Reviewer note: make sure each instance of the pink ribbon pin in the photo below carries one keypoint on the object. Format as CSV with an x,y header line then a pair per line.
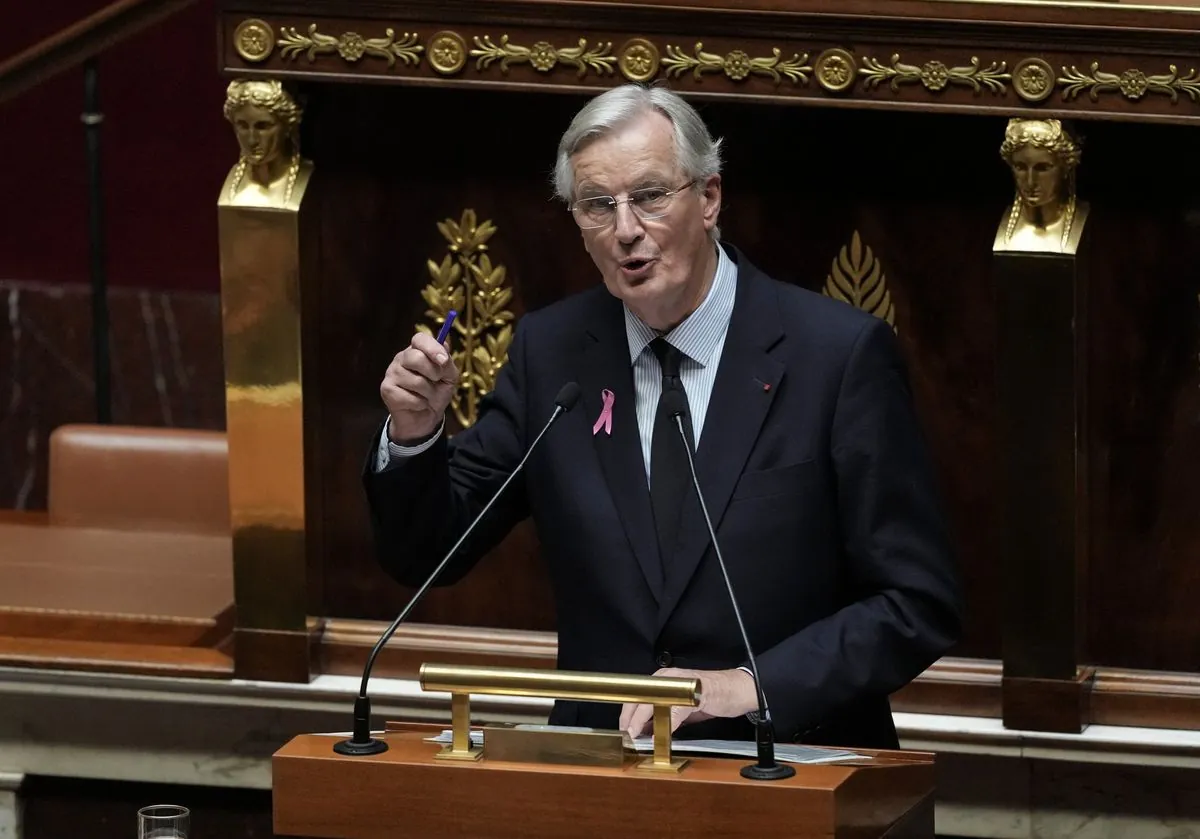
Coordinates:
x,y
605,419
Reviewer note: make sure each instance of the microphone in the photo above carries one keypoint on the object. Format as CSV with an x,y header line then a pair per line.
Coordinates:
x,y
362,743
767,769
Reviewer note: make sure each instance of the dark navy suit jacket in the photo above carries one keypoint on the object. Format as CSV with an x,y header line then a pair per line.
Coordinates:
x,y
816,477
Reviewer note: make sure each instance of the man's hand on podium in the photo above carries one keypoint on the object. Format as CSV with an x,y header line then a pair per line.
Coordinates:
x,y
723,693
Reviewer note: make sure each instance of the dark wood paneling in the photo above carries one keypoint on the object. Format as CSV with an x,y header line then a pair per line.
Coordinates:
x,y
960,687
1048,704
274,655
1145,410
1145,698
1041,428
345,645
440,155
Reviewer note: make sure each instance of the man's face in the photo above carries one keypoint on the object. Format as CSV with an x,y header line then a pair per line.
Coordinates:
x,y
1038,174
661,267
259,134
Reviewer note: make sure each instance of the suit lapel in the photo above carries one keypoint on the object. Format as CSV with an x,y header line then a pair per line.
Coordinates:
x,y
605,365
747,380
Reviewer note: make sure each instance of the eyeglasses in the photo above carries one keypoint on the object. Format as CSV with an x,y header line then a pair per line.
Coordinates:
x,y
647,204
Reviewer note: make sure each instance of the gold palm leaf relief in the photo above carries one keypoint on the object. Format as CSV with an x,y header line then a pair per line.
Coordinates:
x,y
856,277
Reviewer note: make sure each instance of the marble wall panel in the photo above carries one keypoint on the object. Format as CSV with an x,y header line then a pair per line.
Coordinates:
x,y
166,359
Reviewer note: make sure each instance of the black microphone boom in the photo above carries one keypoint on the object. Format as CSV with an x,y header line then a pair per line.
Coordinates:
x,y
361,742
767,768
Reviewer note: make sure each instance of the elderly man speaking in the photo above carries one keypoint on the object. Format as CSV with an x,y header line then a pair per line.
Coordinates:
x,y
807,450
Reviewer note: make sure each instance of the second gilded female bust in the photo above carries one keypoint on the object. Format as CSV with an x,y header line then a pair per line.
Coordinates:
x,y
269,171
1045,215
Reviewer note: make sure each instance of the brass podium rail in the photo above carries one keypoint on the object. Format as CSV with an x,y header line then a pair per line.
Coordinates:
x,y
662,692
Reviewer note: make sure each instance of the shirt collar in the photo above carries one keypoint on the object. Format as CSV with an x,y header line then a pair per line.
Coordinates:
x,y
701,332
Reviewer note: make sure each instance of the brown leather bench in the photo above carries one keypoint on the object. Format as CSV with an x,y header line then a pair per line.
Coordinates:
x,y
134,478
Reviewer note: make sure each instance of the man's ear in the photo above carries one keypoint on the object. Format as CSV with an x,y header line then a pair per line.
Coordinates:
x,y
712,201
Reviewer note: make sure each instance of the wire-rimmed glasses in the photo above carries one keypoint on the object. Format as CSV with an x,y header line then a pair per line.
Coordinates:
x,y
647,204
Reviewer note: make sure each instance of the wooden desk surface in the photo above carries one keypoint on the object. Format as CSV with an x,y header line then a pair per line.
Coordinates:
x,y
74,584
114,572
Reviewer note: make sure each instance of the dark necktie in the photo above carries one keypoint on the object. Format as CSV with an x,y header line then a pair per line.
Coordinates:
x,y
670,477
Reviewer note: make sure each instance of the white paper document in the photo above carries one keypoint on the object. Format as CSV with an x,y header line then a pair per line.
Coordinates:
x,y
785,752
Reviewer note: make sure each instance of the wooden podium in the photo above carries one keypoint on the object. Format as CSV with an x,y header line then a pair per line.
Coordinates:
x,y
406,792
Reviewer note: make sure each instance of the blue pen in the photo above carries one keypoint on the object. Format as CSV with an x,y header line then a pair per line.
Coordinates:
x,y
446,326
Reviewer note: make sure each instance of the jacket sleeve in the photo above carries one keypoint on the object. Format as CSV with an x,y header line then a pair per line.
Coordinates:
x,y
420,507
903,610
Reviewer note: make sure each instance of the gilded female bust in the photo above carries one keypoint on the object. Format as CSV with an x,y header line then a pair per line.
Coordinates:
x,y
270,171
1045,215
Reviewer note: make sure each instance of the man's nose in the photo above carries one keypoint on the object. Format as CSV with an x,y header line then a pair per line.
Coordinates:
x,y
628,225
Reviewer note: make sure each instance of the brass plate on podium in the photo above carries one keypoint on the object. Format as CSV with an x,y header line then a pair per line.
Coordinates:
x,y
556,745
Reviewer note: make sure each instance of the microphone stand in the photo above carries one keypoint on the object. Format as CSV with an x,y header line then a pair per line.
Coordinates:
x,y
767,768
361,743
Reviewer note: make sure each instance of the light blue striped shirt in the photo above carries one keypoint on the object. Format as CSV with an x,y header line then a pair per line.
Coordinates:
x,y
700,337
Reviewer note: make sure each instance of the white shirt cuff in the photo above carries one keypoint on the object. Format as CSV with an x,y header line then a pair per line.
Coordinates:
x,y
389,451
753,715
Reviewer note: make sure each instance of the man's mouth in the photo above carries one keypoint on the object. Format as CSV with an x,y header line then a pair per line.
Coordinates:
x,y
634,266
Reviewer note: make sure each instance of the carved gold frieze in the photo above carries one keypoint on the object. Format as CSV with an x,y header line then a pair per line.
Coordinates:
x,y
1033,79
467,282
350,45
638,60
447,52
254,40
856,277
835,70
1133,84
935,75
737,64
544,56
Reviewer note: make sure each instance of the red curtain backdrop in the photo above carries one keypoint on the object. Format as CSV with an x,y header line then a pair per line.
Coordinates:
x,y
165,151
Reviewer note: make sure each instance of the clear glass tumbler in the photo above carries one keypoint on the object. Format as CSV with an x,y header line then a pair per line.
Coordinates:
x,y
163,821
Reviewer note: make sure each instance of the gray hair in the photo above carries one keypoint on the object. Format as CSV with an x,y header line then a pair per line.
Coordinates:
x,y
697,153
